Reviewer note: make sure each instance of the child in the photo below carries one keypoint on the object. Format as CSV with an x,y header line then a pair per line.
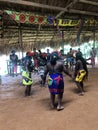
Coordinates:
x,y
26,74
27,81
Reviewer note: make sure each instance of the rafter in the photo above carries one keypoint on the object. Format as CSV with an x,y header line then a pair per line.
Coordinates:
x,y
89,2
66,8
33,4
83,12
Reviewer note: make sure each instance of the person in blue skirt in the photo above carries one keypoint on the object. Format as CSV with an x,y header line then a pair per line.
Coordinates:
x,y
55,80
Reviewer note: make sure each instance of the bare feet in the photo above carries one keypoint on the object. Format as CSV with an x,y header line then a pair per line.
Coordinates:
x,y
81,94
59,108
52,106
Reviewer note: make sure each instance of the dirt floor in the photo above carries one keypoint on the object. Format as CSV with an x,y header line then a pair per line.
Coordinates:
x,y
34,113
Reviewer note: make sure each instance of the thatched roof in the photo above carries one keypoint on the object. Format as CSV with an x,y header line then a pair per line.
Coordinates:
x,y
74,22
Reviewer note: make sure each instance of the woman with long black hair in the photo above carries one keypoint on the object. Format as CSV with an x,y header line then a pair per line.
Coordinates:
x,y
55,80
81,72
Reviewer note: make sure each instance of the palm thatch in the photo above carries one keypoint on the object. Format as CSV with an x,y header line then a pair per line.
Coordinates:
x,y
26,36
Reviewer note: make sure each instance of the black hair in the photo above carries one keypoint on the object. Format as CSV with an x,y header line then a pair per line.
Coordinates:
x,y
53,58
13,51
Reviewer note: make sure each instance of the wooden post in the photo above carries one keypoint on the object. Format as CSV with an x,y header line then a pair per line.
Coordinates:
x,y
20,39
94,34
94,39
62,44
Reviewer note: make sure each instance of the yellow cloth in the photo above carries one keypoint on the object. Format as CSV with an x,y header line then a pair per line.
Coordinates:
x,y
80,76
50,81
26,79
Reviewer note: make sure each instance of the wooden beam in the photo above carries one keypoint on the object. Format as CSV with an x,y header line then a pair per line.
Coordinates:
x,y
89,2
83,12
66,8
33,4
37,37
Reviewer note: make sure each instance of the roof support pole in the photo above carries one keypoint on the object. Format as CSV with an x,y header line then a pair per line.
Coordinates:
x,y
62,43
20,39
94,39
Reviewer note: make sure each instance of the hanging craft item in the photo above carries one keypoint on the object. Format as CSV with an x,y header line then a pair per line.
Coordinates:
x,y
80,30
58,28
27,17
50,20
22,18
40,19
31,19
67,22
12,16
91,22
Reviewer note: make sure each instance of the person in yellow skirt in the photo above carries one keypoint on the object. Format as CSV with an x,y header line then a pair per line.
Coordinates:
x,y
27,82
26,74
80,73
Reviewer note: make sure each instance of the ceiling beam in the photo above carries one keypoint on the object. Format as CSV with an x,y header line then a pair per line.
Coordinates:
x,y
83,12
89,2
33,4
66,8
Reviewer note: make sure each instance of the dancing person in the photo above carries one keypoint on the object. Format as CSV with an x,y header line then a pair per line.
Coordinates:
x,y
79,52
80,73
55,80
42,61
48,55
35,58
27,72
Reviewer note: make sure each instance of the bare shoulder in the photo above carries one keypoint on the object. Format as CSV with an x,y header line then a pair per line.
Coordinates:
x,y
48,64
59,62
79,61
